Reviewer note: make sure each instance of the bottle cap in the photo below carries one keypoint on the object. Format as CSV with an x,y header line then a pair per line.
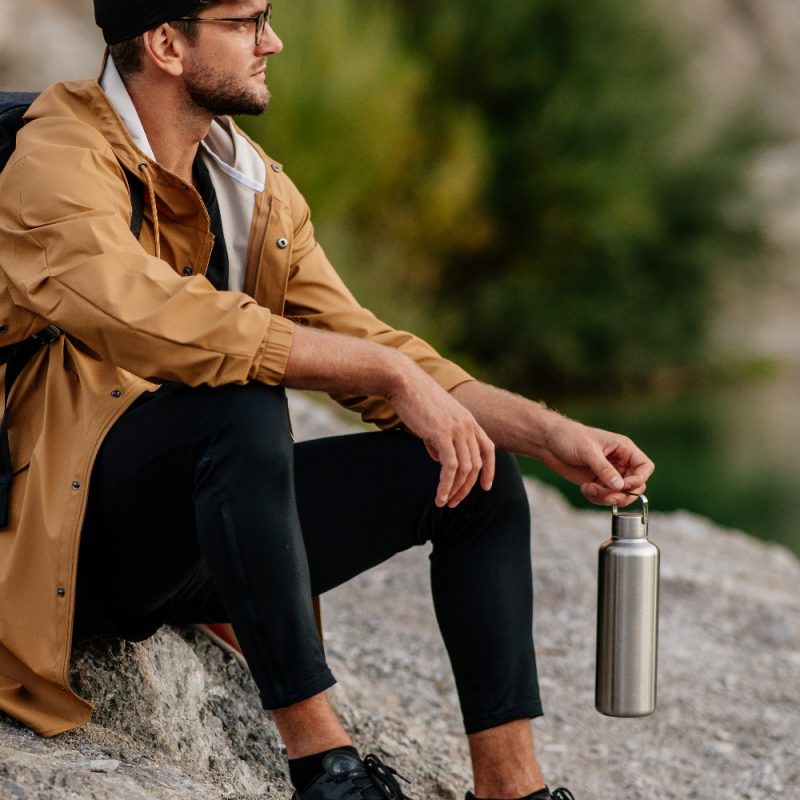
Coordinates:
x,y
630,524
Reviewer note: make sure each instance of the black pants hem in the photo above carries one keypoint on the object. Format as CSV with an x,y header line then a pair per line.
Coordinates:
x,y
319,683
529,711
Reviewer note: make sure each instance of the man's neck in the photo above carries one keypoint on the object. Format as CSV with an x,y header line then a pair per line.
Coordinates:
x,y
173,126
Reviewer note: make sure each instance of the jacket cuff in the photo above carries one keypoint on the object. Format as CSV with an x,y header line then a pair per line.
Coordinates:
x,y
449,375
275,351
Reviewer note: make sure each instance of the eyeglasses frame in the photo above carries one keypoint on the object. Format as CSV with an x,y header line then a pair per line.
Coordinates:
x,y
261,20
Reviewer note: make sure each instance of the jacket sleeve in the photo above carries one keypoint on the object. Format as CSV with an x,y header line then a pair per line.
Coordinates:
x,y
317,296
69,256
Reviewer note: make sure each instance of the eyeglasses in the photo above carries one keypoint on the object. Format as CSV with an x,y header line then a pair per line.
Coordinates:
x,y
260,21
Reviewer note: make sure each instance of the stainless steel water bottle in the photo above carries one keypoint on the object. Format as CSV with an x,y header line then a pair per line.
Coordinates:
x,y
627,618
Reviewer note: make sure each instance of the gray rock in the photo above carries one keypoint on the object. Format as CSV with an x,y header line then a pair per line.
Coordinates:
x,y
104,765
179,718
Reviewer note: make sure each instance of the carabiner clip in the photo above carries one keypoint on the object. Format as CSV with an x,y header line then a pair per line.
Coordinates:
x,y
645,507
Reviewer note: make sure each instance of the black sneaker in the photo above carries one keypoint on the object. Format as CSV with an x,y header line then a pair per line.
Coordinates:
x,y
557,794
347,777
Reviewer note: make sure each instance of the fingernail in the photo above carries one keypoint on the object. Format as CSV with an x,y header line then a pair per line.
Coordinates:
x,y
617,483
591,490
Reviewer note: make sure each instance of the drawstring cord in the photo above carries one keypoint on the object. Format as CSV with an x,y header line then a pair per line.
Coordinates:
x,y
151,192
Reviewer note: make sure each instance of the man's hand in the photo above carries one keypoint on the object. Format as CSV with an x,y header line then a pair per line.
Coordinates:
x,y
608,467
451,435
605,465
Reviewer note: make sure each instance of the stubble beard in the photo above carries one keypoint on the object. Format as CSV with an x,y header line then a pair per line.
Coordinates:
x,y
220,94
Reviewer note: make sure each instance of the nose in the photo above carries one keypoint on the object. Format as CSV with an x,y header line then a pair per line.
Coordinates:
x,y
271,43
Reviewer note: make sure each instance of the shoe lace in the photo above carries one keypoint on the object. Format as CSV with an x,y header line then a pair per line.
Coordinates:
x,y
562,794
376,781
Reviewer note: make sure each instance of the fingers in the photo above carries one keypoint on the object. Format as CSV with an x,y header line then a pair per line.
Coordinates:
x,y
605,471
488,458
619,466
468,470
465,457
600,495
448,458
620,473
636,465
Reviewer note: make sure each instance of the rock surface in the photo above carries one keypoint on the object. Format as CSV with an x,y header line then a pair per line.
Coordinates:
x,y
178,718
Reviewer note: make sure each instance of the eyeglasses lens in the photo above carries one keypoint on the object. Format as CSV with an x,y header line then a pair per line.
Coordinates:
x,y
262,22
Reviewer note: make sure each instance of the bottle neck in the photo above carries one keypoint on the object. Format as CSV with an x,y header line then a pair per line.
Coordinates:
x,y
628,526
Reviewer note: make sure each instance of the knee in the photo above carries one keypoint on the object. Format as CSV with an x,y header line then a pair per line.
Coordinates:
x,y
505,507
499,517
251,423
508,489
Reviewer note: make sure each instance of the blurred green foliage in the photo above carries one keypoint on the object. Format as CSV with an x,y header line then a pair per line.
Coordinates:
x,y
526,183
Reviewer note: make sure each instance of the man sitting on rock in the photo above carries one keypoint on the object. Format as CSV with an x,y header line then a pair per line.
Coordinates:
x,y
155,479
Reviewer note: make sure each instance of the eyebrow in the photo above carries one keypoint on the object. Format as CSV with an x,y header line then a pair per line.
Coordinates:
x,y
250,9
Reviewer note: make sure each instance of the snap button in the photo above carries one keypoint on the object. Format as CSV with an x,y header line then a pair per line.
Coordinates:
x,y
187,270
282,243
275,167
3,328
76,484
116,393
61,591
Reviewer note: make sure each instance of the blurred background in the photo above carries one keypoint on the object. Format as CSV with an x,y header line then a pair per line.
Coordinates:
x,y
594,203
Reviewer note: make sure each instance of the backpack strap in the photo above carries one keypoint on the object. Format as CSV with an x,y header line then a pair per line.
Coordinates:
x,y
13,106
136,190
15,359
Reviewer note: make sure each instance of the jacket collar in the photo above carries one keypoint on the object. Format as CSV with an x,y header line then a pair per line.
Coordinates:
x,y
111,83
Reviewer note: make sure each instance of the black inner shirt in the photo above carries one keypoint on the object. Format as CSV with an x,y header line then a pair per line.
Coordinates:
x,y
217,271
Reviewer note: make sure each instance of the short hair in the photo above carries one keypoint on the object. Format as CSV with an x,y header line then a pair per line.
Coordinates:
x,y
128,55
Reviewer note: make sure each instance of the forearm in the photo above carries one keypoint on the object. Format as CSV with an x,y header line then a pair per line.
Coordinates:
x,y
331,362
606,465
512,422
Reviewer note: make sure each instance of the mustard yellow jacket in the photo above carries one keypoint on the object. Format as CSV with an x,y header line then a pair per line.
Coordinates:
x,y
134,314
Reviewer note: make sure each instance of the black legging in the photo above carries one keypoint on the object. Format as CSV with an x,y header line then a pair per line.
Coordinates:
x,y
202,509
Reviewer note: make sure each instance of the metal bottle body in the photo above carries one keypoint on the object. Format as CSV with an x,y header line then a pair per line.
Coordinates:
x,y
627,619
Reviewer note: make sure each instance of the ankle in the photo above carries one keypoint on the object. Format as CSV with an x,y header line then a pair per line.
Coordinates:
x,y
509,789
304,770
504,763
309,727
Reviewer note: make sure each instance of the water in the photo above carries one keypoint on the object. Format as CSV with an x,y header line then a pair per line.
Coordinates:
x,y
731,453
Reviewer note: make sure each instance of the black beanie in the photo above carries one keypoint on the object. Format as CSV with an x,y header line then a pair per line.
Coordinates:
x,y
124,19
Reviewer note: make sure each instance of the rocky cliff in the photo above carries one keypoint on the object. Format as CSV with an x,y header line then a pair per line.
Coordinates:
x,y
178,718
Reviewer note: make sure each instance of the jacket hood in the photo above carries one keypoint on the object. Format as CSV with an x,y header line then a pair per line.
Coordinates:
x,y
86,103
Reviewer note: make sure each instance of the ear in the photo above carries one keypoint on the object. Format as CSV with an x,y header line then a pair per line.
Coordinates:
x,y
166,49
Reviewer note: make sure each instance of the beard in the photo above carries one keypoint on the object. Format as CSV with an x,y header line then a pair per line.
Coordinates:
x,y
220,94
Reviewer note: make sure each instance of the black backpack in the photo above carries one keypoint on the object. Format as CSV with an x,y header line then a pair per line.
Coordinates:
x,y
13,106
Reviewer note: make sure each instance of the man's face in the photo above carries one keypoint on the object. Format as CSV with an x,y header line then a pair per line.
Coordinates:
x,y
225,71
